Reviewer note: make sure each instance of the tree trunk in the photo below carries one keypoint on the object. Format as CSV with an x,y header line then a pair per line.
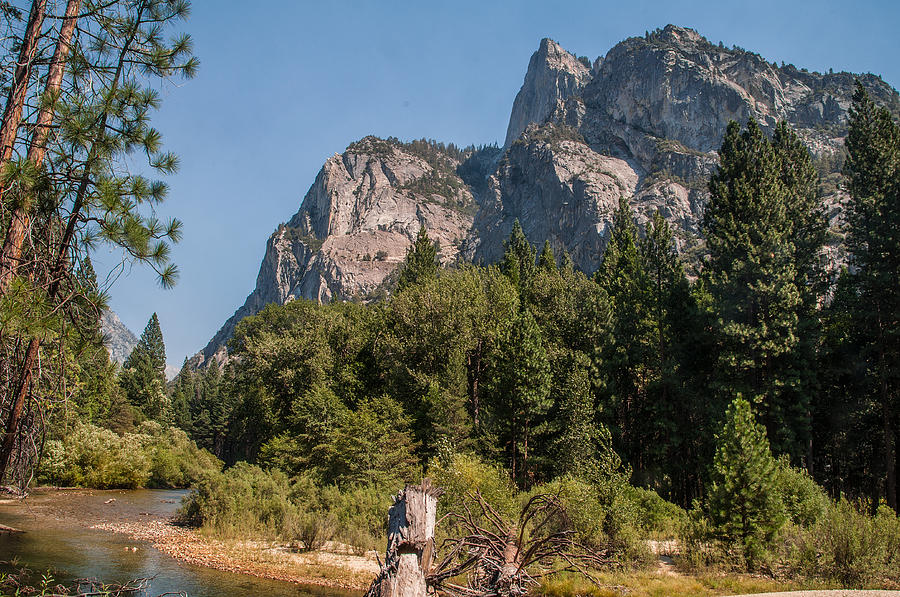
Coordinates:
x,y
12,422
12,115
890,456
21,216
410,548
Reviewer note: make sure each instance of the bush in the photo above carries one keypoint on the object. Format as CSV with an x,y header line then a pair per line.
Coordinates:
x,y
91,456
658,518
246,501
243,501
804,500
848,546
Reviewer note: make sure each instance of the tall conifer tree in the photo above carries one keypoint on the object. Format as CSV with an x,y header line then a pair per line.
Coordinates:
x,y
873,181
755,233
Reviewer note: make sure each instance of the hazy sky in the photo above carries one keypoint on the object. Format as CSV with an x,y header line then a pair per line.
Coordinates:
x,y
285,84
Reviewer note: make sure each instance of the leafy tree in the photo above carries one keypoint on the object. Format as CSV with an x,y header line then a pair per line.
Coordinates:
x,y
421,261
439,334
744,503
373,445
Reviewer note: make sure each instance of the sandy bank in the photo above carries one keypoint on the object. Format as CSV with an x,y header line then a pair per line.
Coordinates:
x,y
257,558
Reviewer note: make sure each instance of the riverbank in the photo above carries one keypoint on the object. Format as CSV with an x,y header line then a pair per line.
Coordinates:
x,y
331,567
151,526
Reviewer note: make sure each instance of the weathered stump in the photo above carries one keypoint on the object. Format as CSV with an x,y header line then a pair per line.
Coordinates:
x,y
410,546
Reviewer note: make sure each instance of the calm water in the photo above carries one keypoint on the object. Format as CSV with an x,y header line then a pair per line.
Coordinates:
x,y
70,550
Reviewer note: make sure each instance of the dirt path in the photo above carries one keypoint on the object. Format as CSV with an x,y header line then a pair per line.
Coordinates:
x,y
828,593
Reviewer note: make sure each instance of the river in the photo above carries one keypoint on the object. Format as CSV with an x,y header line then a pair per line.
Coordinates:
x,y
57,538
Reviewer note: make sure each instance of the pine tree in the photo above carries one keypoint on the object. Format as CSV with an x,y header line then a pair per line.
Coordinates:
x,y
744,503
546,260
98,90
151,347
421,261
143,376
627,360
182,395
873,181
575,429
519,391
754,278
518,261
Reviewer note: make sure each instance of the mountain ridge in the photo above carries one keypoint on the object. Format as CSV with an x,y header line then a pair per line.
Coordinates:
x,y
643,121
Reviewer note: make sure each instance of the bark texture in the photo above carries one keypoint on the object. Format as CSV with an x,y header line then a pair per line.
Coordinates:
x,y
410,548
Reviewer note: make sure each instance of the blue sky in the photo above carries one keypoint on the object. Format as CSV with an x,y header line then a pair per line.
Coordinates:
x,y
286,84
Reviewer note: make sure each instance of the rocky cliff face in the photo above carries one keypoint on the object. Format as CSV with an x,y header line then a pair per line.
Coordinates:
x,y
355,224
644,122
117,338
553,76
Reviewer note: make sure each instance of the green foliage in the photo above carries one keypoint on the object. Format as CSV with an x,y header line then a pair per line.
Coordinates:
x,y
764,228
804,501
657,518
373,445
143,374
461,474
90,456
744,504
872,169
243,501
848,546
518,261
518,391
440,335
421,261
247,501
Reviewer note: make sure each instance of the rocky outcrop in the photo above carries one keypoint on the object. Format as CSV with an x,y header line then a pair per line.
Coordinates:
x,y
553,76
646,125
117,338
355,224
644,122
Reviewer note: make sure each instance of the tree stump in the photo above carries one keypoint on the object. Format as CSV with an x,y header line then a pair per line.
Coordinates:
x,y
410,546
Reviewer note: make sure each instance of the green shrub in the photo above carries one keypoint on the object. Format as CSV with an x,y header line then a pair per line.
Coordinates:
x,y
804,500
246,500
658,518
848,546
90,456
584,510
462,474
313,529
242,501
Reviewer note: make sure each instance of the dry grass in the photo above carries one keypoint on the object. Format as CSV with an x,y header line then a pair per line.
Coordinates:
x,y
654,584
